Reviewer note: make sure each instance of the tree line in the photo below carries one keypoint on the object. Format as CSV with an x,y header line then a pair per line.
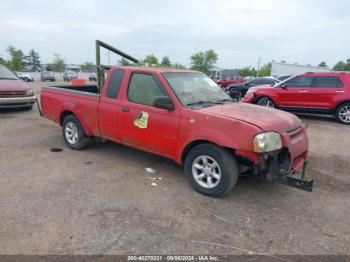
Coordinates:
x,y
203,61
18,60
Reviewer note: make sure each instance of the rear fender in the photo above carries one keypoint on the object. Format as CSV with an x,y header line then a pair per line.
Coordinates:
x,y
78,114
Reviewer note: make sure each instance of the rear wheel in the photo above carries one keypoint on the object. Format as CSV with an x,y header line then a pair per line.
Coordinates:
x,y
265,101
73,133
212,170
343,113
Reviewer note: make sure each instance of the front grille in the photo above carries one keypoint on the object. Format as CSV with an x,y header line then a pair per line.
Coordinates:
x,y
12,93
294,132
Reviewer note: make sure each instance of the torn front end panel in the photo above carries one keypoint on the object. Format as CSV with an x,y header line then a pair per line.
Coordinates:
x,y
278,167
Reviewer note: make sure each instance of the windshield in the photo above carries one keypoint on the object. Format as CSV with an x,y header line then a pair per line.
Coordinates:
x,y
278,84
195,88
7,74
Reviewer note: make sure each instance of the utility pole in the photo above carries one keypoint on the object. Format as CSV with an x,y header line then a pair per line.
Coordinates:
x,y
259,61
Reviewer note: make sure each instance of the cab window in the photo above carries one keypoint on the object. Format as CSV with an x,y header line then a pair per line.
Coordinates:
x,y
114,84
144,88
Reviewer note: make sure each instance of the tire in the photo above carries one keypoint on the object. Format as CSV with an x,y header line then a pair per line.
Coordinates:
x,y
76,138
343,113
234,93
226,170
266,102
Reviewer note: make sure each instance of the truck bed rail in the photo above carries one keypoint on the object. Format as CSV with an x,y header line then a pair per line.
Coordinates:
x,y
101,68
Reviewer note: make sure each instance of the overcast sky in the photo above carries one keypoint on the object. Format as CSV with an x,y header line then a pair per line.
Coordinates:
x,y
240,31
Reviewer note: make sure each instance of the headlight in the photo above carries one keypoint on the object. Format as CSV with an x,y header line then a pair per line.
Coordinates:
x,y
30,92
267,142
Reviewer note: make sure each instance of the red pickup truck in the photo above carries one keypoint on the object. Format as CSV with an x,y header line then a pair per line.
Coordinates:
x,y
185,116
182,115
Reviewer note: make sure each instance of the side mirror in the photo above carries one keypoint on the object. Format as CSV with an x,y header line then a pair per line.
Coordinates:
x,y
163,102
284,86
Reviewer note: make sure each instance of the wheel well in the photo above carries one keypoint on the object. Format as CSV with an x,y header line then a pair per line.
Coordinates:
x,y
263,96
193,144
64,114
338,105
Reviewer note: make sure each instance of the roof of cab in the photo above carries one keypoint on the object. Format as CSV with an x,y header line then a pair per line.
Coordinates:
x,y
154,69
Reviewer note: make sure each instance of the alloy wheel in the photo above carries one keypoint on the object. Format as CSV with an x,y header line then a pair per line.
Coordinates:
x,y
206,172
71,133
344,114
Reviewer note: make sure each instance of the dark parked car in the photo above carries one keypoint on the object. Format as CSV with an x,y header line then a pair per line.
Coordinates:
x,y
92,78
239,90
47,76
69,76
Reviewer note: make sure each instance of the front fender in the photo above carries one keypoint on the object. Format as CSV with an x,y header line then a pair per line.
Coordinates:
x,y
205,134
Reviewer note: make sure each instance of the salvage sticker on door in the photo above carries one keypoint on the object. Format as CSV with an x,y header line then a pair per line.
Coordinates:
x,y
141,120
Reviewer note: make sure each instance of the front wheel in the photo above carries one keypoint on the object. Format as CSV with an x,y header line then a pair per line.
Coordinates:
x,y
212,170
73,133
267,102
343,113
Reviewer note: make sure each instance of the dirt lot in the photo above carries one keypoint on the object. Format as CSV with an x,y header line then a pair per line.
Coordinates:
x,y
99,201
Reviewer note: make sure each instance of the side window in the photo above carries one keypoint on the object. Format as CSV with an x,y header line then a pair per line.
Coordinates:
x,y
114,83
327,81
299,81
143,88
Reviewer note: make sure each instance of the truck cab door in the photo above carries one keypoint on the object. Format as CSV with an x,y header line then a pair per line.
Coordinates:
x,y
293,93
109,107
141,124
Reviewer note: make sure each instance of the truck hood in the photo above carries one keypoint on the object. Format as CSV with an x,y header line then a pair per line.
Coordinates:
x,y
265,118
13,85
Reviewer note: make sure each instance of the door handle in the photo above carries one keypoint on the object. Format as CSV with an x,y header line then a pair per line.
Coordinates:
x,y
340,91
125,109
303,91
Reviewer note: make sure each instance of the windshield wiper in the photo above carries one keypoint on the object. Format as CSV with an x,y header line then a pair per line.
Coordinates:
x,y
221,101
201,103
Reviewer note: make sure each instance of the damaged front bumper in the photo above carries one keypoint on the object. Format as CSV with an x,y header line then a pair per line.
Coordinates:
x,y
301,180
279,168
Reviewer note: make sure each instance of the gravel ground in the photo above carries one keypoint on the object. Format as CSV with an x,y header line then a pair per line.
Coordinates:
x,y
100,201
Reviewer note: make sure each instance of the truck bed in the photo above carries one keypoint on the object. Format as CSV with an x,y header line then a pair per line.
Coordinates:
x,y
81,99
79,88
